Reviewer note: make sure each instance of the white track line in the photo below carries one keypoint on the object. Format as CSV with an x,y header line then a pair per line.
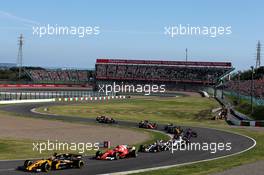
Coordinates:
x,y
10,169
42,113
187,163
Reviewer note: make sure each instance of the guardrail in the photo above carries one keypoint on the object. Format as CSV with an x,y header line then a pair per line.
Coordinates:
x,y
28,101
237,118
25,95
71,99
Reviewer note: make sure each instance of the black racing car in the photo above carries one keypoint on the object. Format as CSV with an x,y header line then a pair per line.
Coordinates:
x,y
105,119
172,129
189,133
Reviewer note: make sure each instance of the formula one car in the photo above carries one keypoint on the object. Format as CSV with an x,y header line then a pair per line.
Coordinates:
x,y
158,146
56,162
148,125
189,133
105,119
179,142
172,129
119,152
185,136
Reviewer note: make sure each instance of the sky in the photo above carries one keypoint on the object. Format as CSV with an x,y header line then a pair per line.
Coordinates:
x,y
130,30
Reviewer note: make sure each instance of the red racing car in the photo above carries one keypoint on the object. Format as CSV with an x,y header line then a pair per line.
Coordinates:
x,y
148,125
119,152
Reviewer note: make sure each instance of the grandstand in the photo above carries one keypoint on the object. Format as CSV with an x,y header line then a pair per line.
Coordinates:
x,y
57,76
244,87
241,82
171,73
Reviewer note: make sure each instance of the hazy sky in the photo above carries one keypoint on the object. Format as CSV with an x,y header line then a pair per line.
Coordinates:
x,y
130,29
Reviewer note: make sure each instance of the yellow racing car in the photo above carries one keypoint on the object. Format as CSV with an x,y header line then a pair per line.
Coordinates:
x,y
56,162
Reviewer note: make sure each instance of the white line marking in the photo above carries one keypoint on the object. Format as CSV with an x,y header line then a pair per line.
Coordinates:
x,y
10,169
42,113
188,163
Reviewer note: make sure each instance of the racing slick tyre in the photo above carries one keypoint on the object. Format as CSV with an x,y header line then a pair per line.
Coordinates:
x,y
116,156
79,164
27,163
46,167
158,149
133,153
53,165
194,134
141,148
97,154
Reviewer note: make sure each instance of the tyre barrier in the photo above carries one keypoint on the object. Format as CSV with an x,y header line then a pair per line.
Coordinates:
x,y
252,123
77,99
237,122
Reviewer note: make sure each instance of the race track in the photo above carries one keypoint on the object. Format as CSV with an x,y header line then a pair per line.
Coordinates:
x,y
144,160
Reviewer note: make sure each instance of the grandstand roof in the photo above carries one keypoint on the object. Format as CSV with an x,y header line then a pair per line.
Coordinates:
x,y
165,63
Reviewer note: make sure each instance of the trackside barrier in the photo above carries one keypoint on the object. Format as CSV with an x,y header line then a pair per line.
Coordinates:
x,y
40,85
27,101
252,123
77,99
239,115
234,120
239,119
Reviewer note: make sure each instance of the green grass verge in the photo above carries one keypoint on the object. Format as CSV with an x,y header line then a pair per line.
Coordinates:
x,y
162,110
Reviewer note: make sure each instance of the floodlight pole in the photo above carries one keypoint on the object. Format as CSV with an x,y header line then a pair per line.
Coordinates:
x,y
251,89
222,88
20,55
186,54
238,101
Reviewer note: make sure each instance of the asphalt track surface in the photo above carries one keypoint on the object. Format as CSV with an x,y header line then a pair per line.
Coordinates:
x,y
239,143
